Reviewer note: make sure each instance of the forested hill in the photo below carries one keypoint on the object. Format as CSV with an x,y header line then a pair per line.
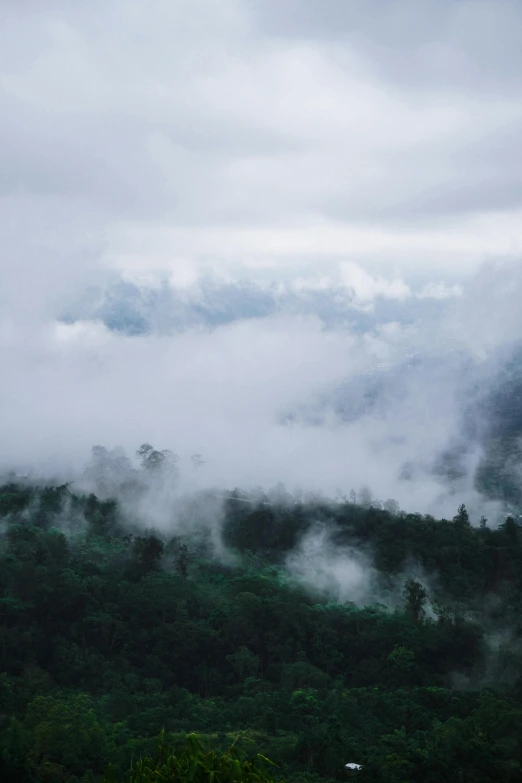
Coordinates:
x,y
110,634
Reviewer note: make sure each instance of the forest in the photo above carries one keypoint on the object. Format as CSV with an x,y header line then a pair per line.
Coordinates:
x,y
118,641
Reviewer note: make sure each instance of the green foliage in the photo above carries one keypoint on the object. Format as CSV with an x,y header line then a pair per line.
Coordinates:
x,y
65,733
415,598
192,762
108,638
401,658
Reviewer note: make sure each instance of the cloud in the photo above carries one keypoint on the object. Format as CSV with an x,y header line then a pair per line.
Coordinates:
x,y
252,396
366,288
470,43
265,135
189,141
338,571
488,317
439,290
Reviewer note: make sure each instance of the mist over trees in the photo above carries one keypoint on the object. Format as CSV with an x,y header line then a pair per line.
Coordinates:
x,y
313,632
265,255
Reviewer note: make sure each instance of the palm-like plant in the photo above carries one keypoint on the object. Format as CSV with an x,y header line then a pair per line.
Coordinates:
x,y
195,764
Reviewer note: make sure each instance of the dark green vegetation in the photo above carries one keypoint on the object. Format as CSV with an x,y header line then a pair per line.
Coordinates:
x,y
107,639
192,761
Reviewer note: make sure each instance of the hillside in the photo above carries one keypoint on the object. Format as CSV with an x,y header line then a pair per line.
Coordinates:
x,y
110,635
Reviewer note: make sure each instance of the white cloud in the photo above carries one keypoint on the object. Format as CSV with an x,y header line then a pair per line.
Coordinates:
x,y
177,137
261,398
439,290
367,288
231,140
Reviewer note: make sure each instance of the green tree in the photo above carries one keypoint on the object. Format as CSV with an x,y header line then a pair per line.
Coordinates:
x,y
193,763
462,516
147,551
415,599
66,733
154,461
401,658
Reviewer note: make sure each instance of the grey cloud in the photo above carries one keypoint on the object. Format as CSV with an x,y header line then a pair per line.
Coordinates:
x,y
172,112
165,136
359,301
469,43
271,399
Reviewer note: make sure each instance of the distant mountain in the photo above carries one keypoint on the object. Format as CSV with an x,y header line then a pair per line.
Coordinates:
x,y
133,310
487,394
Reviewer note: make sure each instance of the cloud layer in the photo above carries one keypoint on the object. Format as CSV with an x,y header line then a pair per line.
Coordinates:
x,y
179,135
289,196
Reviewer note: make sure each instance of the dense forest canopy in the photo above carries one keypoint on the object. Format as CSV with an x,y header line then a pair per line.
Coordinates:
x,y
276,243
112,633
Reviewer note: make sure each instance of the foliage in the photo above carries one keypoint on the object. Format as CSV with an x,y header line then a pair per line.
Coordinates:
x,y
108,638
192,762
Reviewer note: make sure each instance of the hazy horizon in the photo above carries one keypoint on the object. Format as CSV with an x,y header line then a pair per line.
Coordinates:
x,y
286,238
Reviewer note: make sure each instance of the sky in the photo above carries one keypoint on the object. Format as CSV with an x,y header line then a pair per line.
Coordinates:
x,y
261,134
366,153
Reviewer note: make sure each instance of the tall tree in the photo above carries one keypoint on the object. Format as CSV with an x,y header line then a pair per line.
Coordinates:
x,y
415,599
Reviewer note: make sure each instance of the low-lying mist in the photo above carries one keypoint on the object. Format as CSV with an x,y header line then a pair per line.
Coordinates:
x,y
413,410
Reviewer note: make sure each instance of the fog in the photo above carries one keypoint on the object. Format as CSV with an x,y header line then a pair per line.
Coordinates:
x,y
268,240
264,400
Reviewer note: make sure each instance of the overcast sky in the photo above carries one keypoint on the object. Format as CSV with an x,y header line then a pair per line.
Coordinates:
x,y
373,143
265,134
